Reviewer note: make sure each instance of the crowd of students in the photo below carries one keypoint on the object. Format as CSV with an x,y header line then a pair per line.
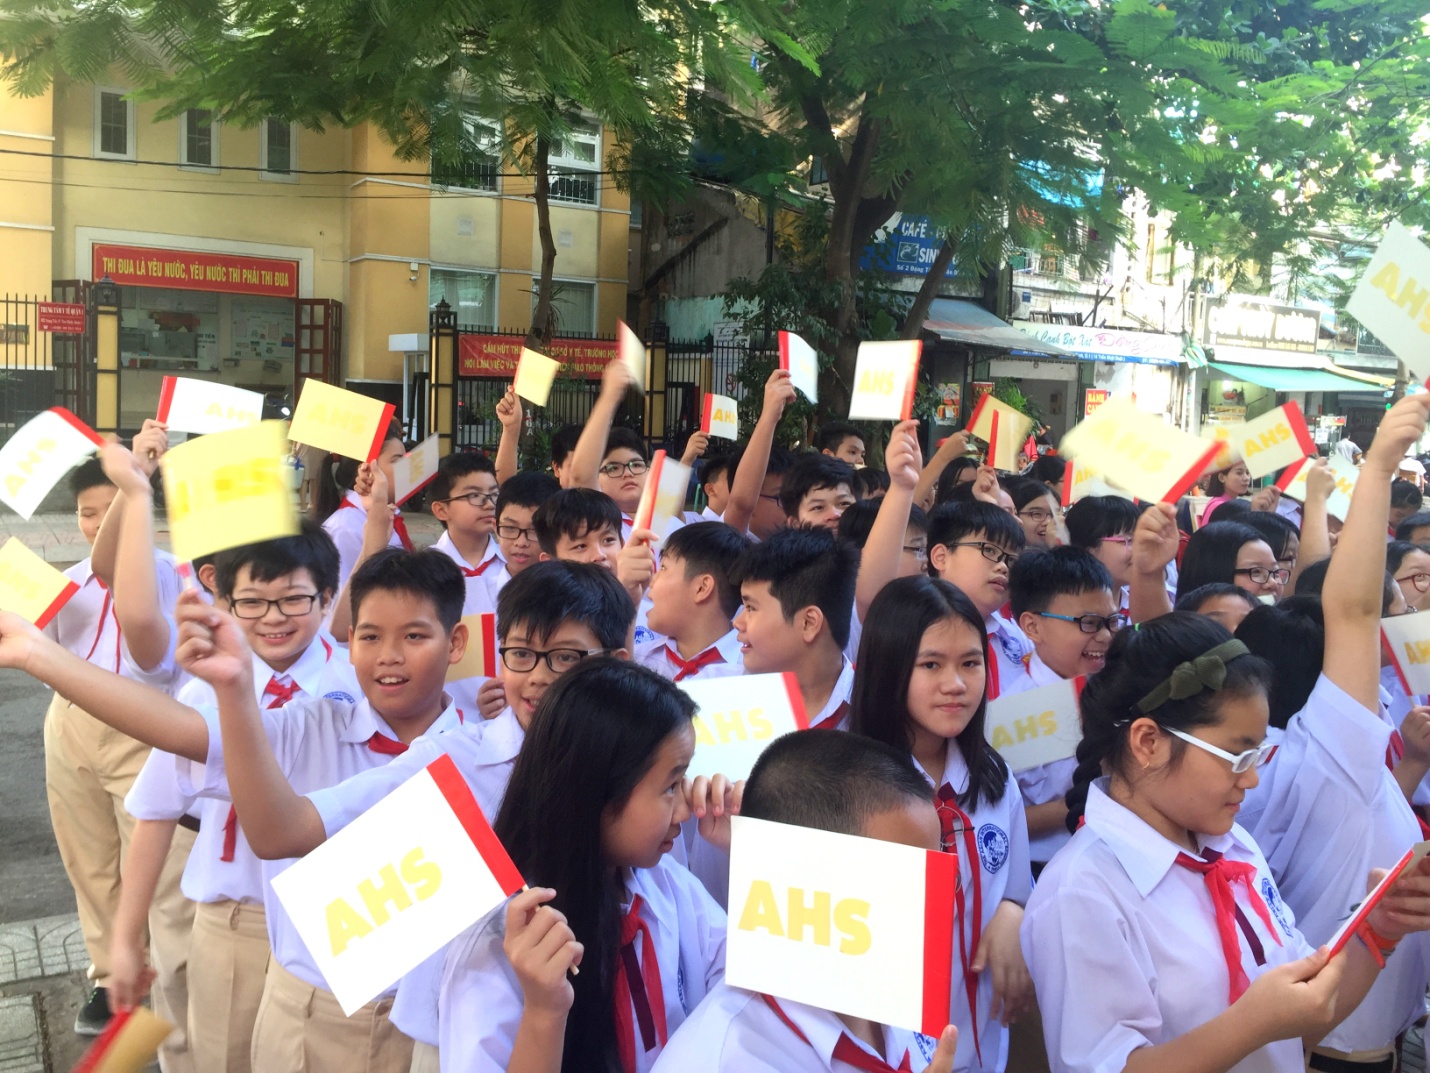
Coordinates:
x,y
1155,902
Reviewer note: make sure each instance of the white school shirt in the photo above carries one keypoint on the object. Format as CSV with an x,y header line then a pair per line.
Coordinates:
x,y
1123,947
1001,834
1045,782
838,699
480,600
1326,811
322,670
736,1031
709,515
1397,705
1007,645
657,656
496,580
344,525
481,1005
856,634
318,742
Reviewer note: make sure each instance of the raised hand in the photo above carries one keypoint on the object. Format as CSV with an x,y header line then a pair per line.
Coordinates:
x,y
211,646
509,410
542,950
903,458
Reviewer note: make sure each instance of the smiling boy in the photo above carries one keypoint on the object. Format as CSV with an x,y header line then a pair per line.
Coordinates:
x,y
463,497
817,491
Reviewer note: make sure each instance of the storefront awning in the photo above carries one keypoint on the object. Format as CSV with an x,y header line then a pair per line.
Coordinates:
x,y
1279,379
964,322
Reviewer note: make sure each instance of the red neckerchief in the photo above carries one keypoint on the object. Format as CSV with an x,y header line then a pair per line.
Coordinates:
x,y
281,693
381,743
638,986
1395,751
1219,874
398,525
481,569
846,1050
950,815
692,666
831,721
993,687
106,608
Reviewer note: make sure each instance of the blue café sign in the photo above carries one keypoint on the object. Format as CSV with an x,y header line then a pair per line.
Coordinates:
x,y
907,247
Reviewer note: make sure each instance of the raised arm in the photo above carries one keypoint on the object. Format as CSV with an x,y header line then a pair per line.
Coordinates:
x,y
1315,529
1154,545
136,584
510,416
376,533
879,564
583,467
750,473
1356,576
954,446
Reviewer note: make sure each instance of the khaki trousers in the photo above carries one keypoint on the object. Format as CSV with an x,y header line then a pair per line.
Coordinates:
x,y
302,1029
425,1059
230,961
89,767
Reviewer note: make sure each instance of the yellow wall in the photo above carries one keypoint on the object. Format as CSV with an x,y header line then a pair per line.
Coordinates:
x,y
26,126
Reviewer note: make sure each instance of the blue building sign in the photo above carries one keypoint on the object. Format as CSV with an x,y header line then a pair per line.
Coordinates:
x,y
906,247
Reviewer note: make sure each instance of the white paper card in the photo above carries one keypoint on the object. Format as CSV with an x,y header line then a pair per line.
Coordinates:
x,y
1036,726
633,353
202,406
739,715
1392,299
885,375
799,358
720,417
415,470
39,454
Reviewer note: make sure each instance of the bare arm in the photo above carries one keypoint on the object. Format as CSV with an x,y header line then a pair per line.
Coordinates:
x,y
106,542
136,583
750,473
879,564
582,467
376,533
510,416
1315,528
1154,545
130,975
953,447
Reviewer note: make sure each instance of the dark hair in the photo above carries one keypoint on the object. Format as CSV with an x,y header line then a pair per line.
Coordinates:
x,y
1405,494
453,468
888,650
717,467
337,474
1138,661
88,474
526,489
548,593
1233,510
830,436
781,459
593,738
1050,469
1216,483
1407,528
1211,554
563,442
1312,579
710,548
870,480
1395,553
628,438
953,522
856,523
831,782
1291,637
573,512
810,473
426,574
949,479
1038,576
312,550
1093,518
804,568
1024,491
1276,529
1195,600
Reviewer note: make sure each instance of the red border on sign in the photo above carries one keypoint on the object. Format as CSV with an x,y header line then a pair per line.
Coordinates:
x,y
489,644
940,886
1288,475
1068,482
707,413
1297,421
469,814
1192,475
166,397
55,605
88,433
913,382
381,435
796,700
645,511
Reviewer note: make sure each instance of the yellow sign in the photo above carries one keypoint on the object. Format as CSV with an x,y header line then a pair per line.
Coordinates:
x,y
992,418
885,376
1147,455
344,422
1393,298
129,1044
535,374
228,489
29,586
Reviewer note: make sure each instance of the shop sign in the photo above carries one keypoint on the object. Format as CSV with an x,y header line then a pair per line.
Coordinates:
x,y
1092,399
188,270
906,247
497,355
1263,325
66,318
1109,344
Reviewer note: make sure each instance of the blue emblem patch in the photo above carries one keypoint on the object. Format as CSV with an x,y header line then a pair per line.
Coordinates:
x,y
926,1045
992,847
340,695
1272,897
644,635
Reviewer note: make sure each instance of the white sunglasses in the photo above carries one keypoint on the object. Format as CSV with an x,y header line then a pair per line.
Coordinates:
x,y
1240,762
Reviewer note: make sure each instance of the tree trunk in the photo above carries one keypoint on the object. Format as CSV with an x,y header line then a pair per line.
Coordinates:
x,y
538,337
928,291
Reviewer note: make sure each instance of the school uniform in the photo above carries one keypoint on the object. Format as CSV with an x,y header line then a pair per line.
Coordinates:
x,y
856,634
1007,645
1395,706
991,840
479,601
1325,812
89,768
835,713
678,937
719,660
345,526
1045,782
496,579
708,515
738,1031
1123,945
223,877
300,1028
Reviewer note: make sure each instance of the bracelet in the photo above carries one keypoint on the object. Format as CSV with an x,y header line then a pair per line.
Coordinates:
x,y
1379,946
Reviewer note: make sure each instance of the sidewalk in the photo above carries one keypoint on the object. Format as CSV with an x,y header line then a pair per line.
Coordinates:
x,y
42,984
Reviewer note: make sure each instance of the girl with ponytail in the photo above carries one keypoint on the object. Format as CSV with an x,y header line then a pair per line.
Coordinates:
x,y
1157,939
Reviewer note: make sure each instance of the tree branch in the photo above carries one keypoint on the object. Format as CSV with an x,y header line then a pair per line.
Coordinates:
x,y
928,290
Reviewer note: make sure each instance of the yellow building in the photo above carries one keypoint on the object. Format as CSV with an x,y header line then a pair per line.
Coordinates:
x,y
249,255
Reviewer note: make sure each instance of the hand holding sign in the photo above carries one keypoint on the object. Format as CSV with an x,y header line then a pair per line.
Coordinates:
x,y
1406,865
800,360
664,493
202,406
720,417
1149,457
885,376
39,454
343,422
128,1043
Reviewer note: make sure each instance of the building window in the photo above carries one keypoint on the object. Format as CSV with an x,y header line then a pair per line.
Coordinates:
x,y
279,149
575,161
573,304
1161,258
479,164
198,139
113,125
472,295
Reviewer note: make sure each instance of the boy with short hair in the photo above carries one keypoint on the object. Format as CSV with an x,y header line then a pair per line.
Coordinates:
x,y
692,601
715,484
796,595
817,491
463,498
516,503
563,442
848,785
579,525
841,440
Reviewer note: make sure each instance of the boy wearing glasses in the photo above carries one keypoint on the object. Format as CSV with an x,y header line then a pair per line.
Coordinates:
x,y
520,497
463,497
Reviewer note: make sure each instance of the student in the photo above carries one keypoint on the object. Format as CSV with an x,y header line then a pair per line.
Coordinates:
x,y
563,442
1038,512
1281,535
508,459
1405,500
277,591
920,686
579,525
841,440
1146,951
796,596
1226,484
89,769
1221,601
848,785
610,459
692,603
1051,470
816,491
1103,525
463,498
1409,564
1230,551
1062,601
406,606
715,484
516,535
960,471
343,510
754,506
1414,529
623,470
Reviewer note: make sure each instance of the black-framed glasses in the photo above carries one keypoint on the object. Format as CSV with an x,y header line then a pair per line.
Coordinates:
x,y
992,552
775,498
1260,575
1091,623
1420,581
635,467
474,499
516,532
1038,515
294,606
559,660
918,551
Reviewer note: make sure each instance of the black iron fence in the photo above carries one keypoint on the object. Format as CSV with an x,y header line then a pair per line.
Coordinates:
x,y
42,368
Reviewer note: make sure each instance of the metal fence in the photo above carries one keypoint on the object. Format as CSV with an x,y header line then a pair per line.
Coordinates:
x,y
40,369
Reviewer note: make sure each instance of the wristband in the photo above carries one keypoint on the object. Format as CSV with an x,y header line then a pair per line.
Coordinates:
x,y
1379,946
